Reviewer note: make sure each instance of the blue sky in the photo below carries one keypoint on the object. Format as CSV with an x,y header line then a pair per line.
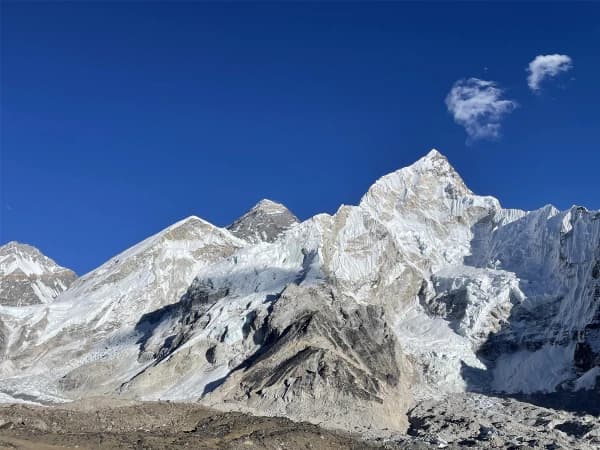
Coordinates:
x,y
121,118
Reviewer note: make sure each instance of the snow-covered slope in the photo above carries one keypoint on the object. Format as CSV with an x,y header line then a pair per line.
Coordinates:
x,y
551,336
94,321
28,277
422,289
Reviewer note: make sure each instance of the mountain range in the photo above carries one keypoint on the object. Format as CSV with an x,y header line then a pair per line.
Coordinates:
x,y
422,291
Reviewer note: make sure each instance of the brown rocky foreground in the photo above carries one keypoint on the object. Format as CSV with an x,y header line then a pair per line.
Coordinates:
x,y
104,424
461,421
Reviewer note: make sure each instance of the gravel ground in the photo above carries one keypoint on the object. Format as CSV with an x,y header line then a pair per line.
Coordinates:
x,y
458,421
98,424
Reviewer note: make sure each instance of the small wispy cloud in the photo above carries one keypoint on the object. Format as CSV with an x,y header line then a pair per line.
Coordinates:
x,y
546,66
478,106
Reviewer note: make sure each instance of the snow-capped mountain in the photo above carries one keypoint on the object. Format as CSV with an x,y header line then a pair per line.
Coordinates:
x,y
28,277
95,319
422,289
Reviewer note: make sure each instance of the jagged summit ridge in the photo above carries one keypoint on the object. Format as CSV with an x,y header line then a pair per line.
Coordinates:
x,y
264,222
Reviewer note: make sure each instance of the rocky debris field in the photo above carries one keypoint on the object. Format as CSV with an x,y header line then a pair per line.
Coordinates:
x,y
459,421
481,422
102,424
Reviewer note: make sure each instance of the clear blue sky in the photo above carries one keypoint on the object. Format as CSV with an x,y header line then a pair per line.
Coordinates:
x,y
121,118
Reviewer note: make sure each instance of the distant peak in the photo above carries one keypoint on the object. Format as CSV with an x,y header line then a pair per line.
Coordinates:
x,y
20,251
265,221
19,247
15,244
265,203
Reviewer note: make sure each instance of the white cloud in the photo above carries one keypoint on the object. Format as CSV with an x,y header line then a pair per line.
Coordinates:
x,y
478,106
546,66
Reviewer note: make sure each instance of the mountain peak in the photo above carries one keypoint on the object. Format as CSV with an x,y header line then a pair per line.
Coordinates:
x,y
269,205
28,277
434,154
433,160
16,256
14,246
264,222
430,177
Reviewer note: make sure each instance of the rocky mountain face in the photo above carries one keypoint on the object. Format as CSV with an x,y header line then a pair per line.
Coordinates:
x,y
265,222
27,277
421,292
